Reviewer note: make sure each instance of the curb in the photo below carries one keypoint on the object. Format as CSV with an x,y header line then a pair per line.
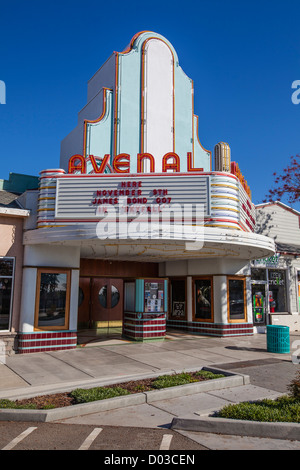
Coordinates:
x,y
231,380
237,427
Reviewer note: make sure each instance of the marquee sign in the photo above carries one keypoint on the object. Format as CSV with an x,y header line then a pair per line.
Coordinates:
x,y
91,197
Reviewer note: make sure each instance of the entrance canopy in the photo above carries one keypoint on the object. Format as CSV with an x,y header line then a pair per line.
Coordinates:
x,y
209,243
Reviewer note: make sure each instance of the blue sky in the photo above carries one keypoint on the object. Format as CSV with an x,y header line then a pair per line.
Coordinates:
x,y
242,55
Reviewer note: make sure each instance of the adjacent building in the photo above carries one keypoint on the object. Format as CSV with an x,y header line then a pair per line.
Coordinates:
x,y
275,280
13,217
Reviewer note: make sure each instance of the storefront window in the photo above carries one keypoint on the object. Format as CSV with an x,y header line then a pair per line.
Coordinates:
x,y
178,299
277,290
236,299
203,299
258,274
53,299
6,283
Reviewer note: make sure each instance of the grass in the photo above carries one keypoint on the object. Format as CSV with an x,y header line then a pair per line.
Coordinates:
x,y
81,395
5,403
184,378
283,409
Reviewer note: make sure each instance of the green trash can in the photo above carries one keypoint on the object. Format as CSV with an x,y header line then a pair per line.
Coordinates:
x,y
278,339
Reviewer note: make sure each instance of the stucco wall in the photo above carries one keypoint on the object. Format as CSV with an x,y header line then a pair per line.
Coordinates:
x,y
11,230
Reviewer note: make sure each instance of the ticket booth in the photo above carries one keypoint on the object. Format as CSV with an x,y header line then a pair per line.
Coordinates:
x,y
145,308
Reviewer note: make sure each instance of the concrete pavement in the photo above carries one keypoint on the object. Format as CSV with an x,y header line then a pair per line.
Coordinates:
x,y
99,363
111,361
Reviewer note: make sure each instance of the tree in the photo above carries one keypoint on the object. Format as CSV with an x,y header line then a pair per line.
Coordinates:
x,y
287,184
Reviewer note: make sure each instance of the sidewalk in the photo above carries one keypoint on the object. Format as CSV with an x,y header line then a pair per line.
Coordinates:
x,y
111,361
114,361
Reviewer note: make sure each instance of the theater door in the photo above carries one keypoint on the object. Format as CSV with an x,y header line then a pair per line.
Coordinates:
x,y
101,305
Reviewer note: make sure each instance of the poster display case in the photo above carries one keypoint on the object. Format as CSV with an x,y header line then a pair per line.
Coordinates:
x,y
154,296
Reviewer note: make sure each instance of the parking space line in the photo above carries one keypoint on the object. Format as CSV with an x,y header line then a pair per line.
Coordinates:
x,y
90,439
19,438
166,442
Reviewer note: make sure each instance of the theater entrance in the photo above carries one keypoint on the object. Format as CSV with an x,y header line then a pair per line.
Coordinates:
x,y
100,308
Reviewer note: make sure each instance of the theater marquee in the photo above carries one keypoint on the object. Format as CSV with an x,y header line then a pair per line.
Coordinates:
x,y
90,197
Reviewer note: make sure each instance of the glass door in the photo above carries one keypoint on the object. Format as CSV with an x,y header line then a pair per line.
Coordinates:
x,y
259,304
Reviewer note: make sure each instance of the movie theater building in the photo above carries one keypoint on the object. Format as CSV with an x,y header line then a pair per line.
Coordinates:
x,y
136,229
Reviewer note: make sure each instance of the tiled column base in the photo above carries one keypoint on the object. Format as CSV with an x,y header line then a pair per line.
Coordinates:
x,y
46,341
144,326
212,329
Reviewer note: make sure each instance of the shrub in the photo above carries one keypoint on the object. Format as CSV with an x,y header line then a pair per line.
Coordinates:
x,y
284,409
81,395
206,374
294,386
165,381
4,403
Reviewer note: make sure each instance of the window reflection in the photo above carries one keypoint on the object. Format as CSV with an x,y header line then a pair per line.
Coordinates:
x,y
5,301
114,296
203,299
6,283
52,302
236,299
103,296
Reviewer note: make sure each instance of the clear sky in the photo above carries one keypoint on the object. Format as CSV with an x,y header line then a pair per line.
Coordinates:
x,y
242,55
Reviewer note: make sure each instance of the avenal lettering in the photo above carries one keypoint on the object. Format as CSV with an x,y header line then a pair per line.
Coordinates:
x,y
121,163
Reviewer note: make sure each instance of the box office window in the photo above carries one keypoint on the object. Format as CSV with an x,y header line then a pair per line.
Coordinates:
x,y
6,287
203,299
236,299
52,300
129,296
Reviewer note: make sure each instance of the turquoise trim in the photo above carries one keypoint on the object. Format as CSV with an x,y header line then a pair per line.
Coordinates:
x,y
129,107
139,295
166,295
99,134
45,331
49,346
62,338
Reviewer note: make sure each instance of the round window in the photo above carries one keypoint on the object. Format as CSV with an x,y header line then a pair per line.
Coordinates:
x,y
114,299
115,296
103,296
